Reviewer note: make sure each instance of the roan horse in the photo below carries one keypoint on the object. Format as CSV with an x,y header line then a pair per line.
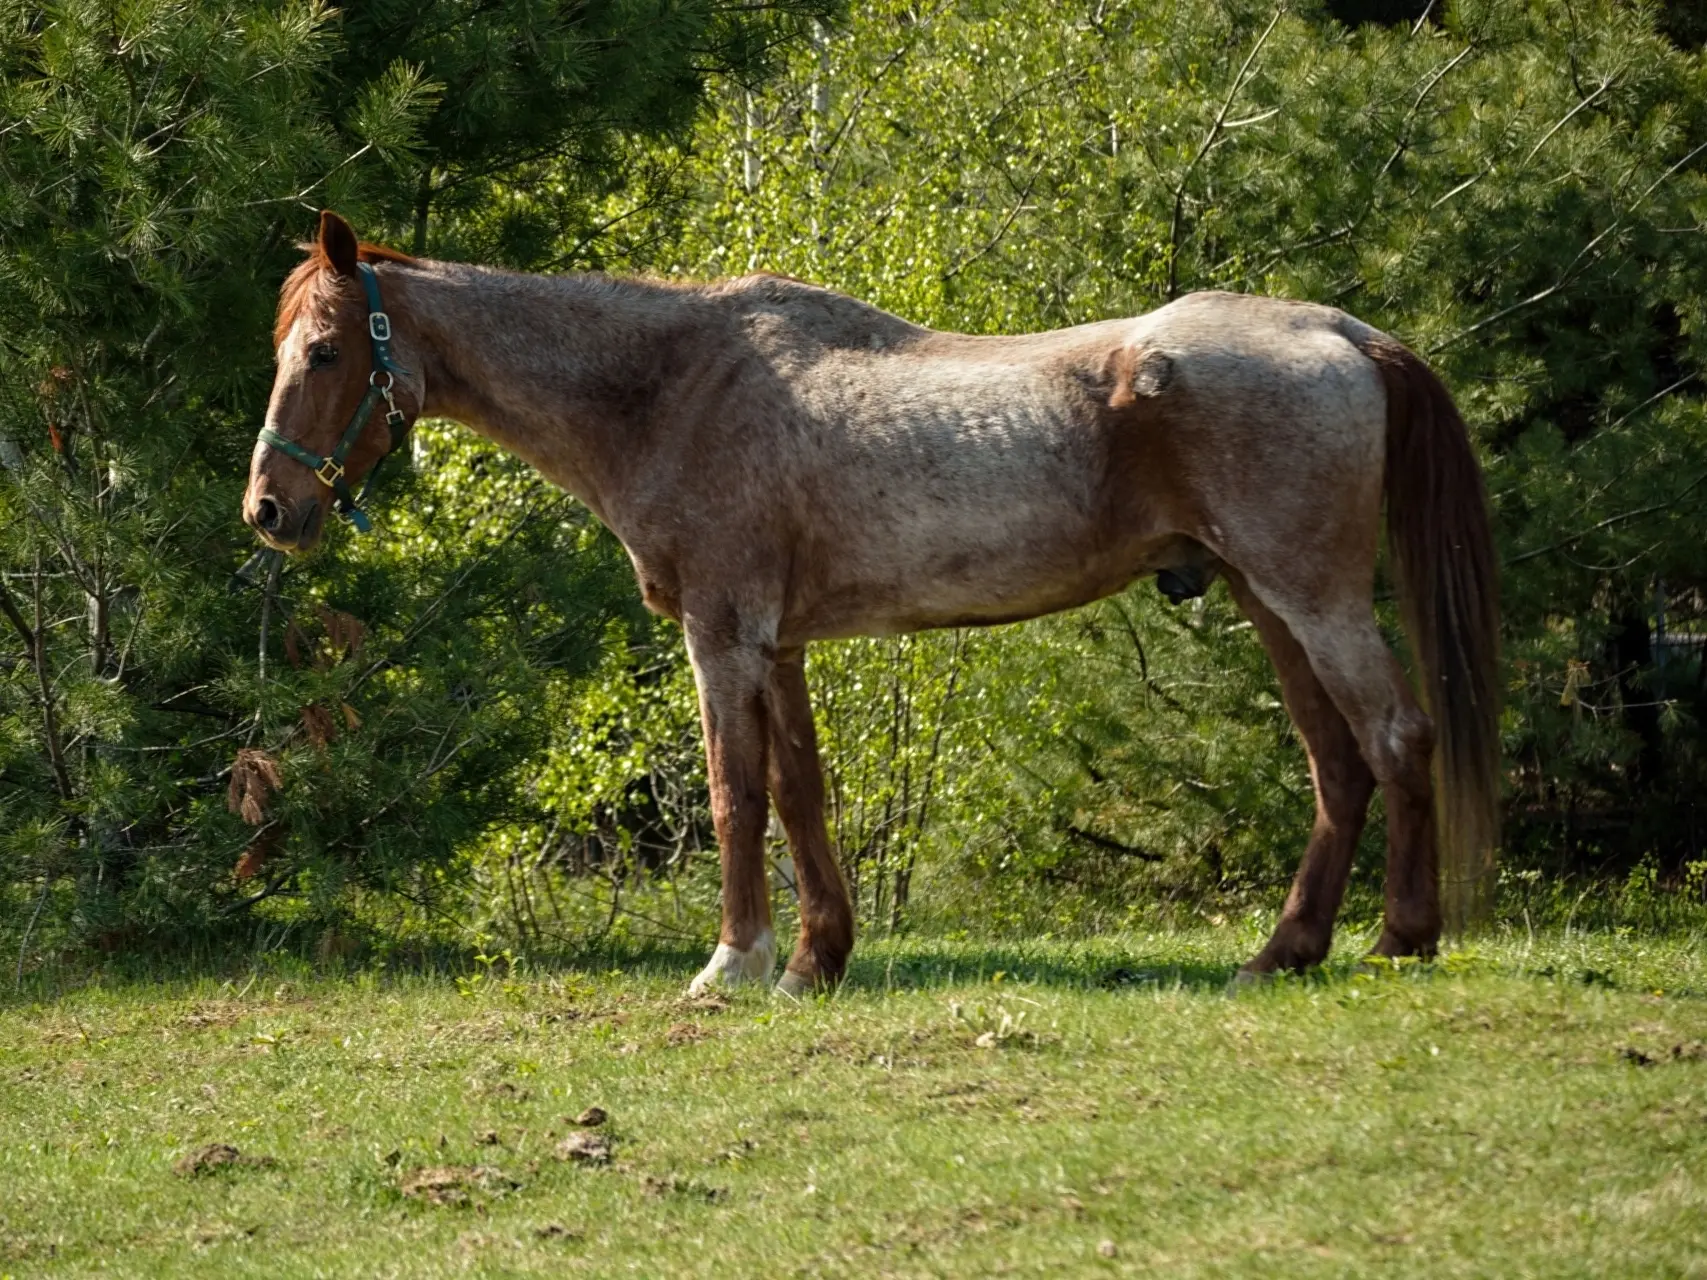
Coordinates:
x,y
785,464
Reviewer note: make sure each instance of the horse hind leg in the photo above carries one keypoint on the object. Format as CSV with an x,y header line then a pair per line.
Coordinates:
x,y
797,790
1396,740
1343,784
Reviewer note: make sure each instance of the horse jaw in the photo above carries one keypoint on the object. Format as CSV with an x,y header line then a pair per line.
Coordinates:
x,y
730,966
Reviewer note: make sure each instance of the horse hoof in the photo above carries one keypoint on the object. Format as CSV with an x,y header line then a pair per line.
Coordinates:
x,y
1249,980
1390,947
730,966
796,986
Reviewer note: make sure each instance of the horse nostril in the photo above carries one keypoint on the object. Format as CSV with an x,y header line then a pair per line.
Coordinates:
x,y
267,514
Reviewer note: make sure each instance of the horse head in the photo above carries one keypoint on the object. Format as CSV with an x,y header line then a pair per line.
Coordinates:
x,y
339,366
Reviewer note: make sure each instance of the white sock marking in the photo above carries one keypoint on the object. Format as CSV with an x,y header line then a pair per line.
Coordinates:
x,y
730,967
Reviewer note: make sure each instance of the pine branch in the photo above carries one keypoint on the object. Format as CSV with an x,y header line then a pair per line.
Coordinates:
x,y
1623,517
34,638
1402,145
1568,276
1216,128
1111,845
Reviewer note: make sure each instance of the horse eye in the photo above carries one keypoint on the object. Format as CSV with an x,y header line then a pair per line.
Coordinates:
x,y
321,354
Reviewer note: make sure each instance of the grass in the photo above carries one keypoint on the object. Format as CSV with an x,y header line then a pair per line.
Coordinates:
x,y
1535,1108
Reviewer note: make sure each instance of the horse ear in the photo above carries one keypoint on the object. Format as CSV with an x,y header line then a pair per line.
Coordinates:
x,y
338,243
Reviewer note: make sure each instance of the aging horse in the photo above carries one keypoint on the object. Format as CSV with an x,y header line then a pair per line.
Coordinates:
x,y
785,464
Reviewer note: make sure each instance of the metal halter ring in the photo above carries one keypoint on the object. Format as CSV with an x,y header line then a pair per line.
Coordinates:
x,y
384,387
330,471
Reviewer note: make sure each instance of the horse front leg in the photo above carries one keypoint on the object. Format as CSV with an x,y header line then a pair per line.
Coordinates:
x,y
732,666
797,789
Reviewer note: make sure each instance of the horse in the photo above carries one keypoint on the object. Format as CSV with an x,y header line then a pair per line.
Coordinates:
x,y
786,464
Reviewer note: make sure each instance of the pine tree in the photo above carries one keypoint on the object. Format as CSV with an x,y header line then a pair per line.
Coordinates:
x,y
1515,191
178,748
537,101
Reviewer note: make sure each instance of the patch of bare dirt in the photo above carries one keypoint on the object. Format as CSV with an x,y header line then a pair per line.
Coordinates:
x,y
681,1033
672,1185
452,1184
215,1156
707,1003
1693,1051
585,1148
591,1118
216,1013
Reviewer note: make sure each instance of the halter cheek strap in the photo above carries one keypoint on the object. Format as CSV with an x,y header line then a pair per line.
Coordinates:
x,y
330,467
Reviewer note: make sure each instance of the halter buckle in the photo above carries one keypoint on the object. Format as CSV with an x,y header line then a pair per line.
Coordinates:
x,y
330,471
379,326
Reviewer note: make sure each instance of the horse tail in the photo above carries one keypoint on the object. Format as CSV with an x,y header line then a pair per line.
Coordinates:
x,y
1447,575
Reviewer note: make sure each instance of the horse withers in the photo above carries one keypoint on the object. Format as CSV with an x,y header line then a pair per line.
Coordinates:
x,y
786,464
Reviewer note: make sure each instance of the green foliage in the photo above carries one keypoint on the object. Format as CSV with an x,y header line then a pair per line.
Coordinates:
x,y
534,105
1516,191
149,154
178,747
904,760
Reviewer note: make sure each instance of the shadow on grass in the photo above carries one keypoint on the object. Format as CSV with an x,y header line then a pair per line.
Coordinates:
x,y
924,964
1203,961
199,963
886,964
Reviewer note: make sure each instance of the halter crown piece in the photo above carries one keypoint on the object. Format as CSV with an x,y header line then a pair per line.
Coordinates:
x,y
330,468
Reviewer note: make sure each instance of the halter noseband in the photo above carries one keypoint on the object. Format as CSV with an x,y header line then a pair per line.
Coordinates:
x,y
330,467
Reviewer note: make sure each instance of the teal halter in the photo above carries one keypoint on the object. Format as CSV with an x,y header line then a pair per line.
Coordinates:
x,y
330,468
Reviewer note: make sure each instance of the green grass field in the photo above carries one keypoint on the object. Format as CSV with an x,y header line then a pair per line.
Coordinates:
x,y
1535,1107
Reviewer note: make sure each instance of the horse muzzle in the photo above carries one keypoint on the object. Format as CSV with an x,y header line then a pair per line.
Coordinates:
x,y
283,524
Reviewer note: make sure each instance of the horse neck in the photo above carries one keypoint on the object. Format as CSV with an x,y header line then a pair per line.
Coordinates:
x,y
562,371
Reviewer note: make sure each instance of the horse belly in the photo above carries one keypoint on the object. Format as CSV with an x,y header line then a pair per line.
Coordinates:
x,y
993,532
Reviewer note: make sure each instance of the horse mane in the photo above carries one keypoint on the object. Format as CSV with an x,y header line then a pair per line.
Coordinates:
x,y
306,290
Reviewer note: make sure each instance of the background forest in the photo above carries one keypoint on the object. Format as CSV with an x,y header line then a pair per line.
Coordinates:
x,y
464,724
